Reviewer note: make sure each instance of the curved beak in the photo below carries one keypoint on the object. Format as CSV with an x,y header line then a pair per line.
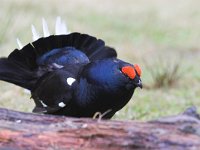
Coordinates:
x,y
139,84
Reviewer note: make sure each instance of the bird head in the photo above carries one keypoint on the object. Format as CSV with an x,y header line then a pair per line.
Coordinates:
x,y
133,73
114,74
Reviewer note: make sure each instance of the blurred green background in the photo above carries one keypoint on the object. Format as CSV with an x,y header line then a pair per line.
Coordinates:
x,y
162,36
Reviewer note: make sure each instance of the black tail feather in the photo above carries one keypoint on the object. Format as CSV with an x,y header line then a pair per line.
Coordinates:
x,y
21,66
92,47
14,73
25,57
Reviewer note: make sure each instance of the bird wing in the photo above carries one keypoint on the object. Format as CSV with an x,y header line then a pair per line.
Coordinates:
x,y
54,91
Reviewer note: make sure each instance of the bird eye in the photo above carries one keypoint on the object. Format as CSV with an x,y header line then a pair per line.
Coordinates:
x,y
138,69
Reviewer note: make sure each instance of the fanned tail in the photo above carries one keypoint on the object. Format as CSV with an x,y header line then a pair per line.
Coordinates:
x,y
21,67
15,73
94,48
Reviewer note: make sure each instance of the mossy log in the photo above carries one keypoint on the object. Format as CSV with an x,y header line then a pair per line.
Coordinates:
x,y
20,130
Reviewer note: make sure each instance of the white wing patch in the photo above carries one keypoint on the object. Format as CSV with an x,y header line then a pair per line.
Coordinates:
x,y
70,81
61,104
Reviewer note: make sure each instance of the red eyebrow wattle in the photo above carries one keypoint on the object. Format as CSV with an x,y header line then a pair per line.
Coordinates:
x,y
129,71
138,69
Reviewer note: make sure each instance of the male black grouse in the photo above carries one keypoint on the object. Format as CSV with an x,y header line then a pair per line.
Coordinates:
x,y
71,74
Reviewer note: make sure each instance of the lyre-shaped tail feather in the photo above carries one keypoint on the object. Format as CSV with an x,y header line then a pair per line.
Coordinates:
x,y
19,44
35,35
45,28
60,29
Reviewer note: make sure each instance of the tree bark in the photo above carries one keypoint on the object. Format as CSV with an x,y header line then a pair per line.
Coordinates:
x,y
32,131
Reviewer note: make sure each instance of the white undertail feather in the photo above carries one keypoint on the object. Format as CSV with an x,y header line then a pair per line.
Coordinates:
x,y
19,44
60,28
35,33
64,28
45,28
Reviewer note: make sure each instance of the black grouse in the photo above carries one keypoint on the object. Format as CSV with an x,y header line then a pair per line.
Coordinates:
x,y
71,74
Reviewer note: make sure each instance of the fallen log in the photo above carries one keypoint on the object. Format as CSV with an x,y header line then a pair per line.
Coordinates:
x,y
20,130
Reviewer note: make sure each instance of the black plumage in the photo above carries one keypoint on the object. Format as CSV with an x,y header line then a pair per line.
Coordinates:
x,y
73,75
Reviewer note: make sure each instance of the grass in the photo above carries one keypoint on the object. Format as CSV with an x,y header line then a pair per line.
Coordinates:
x,y
141,31
164,73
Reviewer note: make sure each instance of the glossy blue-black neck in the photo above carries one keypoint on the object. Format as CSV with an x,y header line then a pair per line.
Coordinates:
x,y
106,73
103,82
